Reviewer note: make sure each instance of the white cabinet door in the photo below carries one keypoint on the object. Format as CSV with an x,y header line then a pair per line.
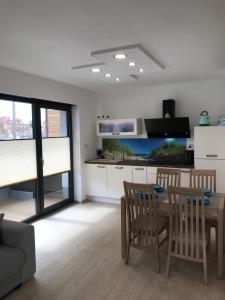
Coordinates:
x,y
116,175
185,177
219,166
96,178
151,178
209,142
139,174
151,174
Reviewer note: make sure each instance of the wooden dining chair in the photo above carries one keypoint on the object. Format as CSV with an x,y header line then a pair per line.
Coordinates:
x,y
166,177
203,179
145,227
188,233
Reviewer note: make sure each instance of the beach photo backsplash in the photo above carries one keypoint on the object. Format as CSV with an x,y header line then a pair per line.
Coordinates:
x,y
158,150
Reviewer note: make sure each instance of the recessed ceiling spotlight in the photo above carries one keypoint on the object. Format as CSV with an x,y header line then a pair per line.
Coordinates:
x,y
117,79
141,70
95,70
120,56
132,64
108,75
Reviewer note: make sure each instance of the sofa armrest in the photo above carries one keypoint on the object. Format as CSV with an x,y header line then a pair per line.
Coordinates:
x,y
21,235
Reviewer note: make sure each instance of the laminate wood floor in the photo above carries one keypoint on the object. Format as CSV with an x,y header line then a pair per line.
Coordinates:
x,y
22,209
78,258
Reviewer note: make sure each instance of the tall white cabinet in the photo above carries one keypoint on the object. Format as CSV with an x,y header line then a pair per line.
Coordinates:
x,y
209,145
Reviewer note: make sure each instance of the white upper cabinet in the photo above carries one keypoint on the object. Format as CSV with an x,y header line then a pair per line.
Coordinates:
x,y
139,174
209,142
119,127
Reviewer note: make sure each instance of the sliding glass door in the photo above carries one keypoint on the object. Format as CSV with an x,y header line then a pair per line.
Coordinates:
x,y
55,155
35,157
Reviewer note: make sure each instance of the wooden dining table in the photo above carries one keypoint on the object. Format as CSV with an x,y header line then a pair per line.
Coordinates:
x,y
213,211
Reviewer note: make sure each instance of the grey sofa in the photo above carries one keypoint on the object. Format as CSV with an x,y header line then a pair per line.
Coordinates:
x,y
17,255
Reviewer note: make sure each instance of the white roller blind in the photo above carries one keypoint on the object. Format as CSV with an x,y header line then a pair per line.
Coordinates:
x,y
56,155
17,161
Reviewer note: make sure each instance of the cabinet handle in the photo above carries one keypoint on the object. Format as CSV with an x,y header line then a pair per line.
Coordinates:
x,y
119,168
211,155
115,133
102,167
139,169
185,171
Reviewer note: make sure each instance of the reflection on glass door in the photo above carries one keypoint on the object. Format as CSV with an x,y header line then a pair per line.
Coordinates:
x,y
56,159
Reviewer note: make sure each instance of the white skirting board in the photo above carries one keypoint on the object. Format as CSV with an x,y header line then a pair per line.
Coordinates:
x,y
104,200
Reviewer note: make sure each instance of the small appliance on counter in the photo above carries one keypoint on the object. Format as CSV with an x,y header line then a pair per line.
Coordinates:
x,y
221,120
204,119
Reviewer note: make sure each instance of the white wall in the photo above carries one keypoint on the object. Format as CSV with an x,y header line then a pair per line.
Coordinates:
x,y
84,114
145,102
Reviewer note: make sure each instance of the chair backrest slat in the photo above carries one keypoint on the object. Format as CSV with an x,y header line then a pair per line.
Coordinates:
x,y
203,179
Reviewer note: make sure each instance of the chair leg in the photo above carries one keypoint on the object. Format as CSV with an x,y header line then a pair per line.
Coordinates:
x,y
127,254
158,260
205,265
209,242
169,252
168,265
216,233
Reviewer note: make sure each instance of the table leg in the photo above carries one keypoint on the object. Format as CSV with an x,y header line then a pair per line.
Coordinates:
x,y
123,228
220,255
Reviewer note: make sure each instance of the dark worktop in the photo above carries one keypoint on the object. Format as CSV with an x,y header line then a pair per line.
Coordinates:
x,y
138,163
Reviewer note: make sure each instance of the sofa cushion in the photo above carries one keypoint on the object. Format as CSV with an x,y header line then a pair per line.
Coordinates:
x,y
11,261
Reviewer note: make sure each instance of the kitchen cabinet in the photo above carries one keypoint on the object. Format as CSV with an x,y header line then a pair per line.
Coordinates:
x,y
119,127
209,142
106,181
185,178
116,175
96,180
151,174
209,145
139,174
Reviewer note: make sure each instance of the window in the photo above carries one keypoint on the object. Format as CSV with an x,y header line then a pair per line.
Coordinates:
x,y
15,120
53,123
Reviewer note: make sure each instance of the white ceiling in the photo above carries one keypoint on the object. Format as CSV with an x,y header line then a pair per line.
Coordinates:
x,y
47,37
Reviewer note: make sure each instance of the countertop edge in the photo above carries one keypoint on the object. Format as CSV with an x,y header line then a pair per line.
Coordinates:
x,y
138,163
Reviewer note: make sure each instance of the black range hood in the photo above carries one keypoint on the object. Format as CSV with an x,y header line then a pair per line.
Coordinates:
x,y
168,127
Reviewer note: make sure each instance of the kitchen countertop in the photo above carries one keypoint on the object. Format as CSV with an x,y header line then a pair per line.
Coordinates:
x,y
137,163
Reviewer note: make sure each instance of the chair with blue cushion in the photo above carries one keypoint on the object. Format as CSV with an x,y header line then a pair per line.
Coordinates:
x,y
145,227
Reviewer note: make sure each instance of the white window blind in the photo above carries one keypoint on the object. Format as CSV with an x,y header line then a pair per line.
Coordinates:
x,y
17,161
56,155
